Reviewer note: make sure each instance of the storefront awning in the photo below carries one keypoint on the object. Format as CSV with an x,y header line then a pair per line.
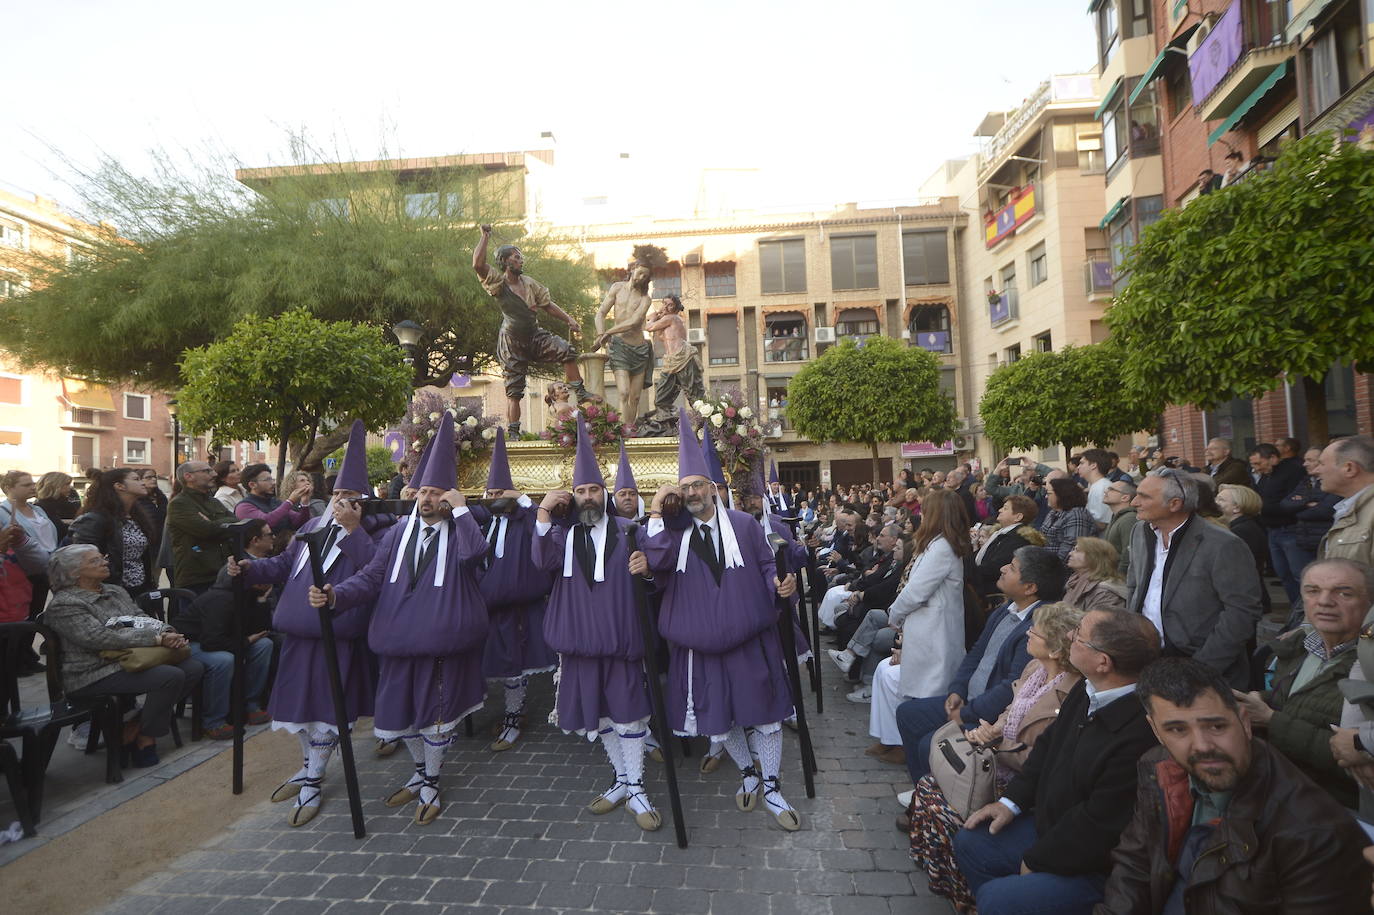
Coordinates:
x,y
1250,102
87,396
1107,100
1157,66
1111,214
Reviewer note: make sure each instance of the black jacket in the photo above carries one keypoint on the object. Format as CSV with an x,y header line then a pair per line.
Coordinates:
x,y
1080,783
1312,510
107,535
209,619
1249,530
998,555
1275,486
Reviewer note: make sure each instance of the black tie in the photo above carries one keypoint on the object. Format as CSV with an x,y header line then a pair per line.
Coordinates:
x,y
329,539
586,553
709,542
491,542
422,554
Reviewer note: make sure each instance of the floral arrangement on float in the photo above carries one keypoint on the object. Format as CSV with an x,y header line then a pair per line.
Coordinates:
x,y
473,433
603,427
735,428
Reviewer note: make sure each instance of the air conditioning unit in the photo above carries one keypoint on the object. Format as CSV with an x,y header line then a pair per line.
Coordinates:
x,y
965,441
696,335
1199,35
825,335
692,260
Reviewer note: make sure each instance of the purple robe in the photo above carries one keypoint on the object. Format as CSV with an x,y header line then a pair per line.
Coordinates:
x,y
723,638
428,637
301,693
595,629
515,590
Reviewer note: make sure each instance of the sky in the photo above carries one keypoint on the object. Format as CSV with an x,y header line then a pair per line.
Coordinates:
x,y
821,102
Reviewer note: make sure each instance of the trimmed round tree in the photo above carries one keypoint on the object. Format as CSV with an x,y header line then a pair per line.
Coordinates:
x,y
880,391
281,378
1268,277
1070,397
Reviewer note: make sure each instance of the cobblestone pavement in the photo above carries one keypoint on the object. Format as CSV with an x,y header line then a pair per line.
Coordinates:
x,y
514,837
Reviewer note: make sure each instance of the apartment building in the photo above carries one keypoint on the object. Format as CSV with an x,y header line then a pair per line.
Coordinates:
x,y
51,422
765,293
1034,270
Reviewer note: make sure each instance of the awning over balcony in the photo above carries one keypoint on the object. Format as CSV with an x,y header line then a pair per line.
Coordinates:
x,y
1112,213
1251,101
87,396
1108,99
1159,64
1305,18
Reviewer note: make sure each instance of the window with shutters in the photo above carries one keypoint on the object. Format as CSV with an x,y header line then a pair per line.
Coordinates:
x,y
782,266
925,257
722,339
854,261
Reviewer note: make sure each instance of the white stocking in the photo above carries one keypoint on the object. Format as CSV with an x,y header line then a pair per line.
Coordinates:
x,y
304,737
770,760
434,749
615,753
322,746
515,709
717,747
416,745
737,745
632,755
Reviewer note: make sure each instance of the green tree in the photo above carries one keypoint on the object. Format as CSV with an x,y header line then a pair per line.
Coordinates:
x,y
880,391
284,377
1070,397
380,467
197,251
1270,276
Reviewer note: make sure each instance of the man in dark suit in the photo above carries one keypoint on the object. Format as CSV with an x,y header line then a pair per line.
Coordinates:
x,y
1048,840
1195,581
981,688
1223,467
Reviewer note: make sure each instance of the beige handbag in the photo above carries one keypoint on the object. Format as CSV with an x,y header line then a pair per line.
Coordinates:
x,y
965,772
145,657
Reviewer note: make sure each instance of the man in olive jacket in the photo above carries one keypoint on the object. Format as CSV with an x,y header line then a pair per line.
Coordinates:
x,y
197,524
1223,822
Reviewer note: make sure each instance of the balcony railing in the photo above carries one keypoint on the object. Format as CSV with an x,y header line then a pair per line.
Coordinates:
x,y
1097,275
933,341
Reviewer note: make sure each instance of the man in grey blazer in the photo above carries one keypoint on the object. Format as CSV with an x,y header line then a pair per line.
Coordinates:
x,y
1194,580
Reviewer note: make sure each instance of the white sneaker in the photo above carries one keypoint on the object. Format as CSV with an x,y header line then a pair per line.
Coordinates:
x,y
843,659
863,695
904,798
79,735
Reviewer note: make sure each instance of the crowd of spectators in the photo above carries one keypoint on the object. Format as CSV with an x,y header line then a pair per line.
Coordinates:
x,y
1161,741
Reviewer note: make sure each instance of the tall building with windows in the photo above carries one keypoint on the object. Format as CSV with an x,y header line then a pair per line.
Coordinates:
x,y
765,293
68,424
1035,268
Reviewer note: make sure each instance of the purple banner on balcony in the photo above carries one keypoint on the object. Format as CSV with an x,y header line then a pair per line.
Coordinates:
x,y
999,311
936,341
1210,63
1102,274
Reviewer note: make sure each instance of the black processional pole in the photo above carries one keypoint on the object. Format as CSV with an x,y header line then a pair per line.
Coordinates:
x,y
665,741
789,648
239,532
314,544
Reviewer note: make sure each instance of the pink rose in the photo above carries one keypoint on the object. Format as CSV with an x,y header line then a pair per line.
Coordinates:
x,y
592,411
730,412
736,439
612,416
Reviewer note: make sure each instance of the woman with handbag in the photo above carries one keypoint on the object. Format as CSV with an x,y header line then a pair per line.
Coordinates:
x,y
109,647
113,524
32,550
969,769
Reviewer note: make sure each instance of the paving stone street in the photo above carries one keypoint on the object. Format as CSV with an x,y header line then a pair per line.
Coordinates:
x,y
514,837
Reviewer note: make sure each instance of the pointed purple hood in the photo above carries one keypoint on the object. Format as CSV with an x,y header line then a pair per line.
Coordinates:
x,y
624,475
690,461
441,470
586,469
353,473
498,477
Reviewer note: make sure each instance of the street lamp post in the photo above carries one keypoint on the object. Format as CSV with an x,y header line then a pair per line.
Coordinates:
x,y
408,334
173,410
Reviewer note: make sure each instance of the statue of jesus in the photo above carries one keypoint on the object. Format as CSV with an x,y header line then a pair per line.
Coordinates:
x,y
631,353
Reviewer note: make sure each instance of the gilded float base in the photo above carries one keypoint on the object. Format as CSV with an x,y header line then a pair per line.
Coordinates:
x,y
539,467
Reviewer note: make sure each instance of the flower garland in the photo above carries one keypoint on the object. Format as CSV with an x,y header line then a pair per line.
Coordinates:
x,y
473,433
734,427
603,427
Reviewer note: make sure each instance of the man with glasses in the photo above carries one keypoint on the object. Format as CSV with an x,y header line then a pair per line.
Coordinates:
x,y
1195,581
726,674
196,522
1045,845
1118,533
261,502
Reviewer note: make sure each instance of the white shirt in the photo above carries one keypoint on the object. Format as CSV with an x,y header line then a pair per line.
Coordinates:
x,y
1154,590
1101,513
1346,506
1100,699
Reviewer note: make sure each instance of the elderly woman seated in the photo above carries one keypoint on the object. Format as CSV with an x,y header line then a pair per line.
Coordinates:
x,y
91,616
1036,697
